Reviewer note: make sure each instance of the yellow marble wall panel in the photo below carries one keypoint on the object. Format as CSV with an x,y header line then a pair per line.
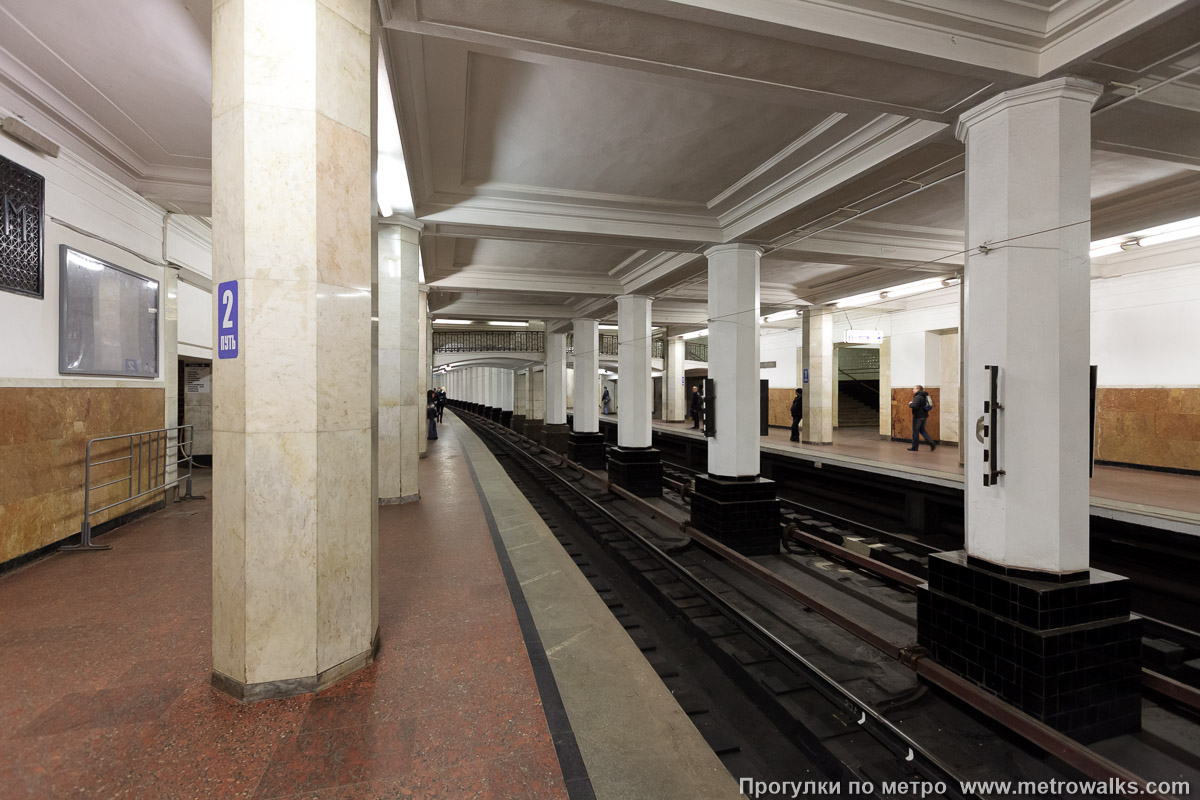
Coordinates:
x,y
779,408
1154,427
43,434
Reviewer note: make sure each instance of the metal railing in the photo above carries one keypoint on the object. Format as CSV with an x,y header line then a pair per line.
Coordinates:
x,y
148,469
695,351
489,342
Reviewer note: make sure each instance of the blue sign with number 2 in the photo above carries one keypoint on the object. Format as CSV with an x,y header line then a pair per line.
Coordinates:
x,y
227,320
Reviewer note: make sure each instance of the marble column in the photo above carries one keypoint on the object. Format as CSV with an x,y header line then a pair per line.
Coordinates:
x,y
818,372
633,464
555,432
885,388
424,360
294,513
535,418
170,373
520,400
585,445
674,390
401,417
1027,537
732,503
507,377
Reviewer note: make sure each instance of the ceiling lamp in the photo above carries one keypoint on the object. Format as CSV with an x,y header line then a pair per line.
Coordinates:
x,y
507,324
453,322
779,316
1149,237
695,334
891,293
608,327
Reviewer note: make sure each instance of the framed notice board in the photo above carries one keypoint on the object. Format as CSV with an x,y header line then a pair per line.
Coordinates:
x,y
108,320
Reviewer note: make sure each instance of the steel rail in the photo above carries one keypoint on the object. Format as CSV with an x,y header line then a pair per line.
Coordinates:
x,y
888,735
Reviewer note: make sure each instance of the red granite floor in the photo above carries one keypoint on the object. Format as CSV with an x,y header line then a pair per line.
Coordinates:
x,y
105,658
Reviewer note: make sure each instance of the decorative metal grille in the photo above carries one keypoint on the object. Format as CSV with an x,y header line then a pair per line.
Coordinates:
x,y
656,348
696,351
608,344
488,341
22,199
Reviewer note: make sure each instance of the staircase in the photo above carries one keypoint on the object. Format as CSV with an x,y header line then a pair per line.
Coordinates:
x,y
857,408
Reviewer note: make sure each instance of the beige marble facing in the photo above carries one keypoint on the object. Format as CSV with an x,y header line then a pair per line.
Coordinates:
x,y
399,420
950,387
816,356
885,387
294,557
424,360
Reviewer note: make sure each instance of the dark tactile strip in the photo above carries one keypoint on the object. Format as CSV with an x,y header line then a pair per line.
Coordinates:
x,y
570,761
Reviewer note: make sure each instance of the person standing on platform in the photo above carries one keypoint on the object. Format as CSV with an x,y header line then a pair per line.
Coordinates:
x,y
431,413
604,399
441,403
797,413
696,407
921,405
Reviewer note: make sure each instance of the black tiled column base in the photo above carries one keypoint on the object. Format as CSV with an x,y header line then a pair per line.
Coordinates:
x,y
517,423
533,428
497,414
506,418
586,449
485,412
555,437
636,470
1066,653
741,514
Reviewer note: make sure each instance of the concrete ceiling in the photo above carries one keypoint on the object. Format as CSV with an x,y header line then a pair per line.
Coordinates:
x,y
563,152
124,83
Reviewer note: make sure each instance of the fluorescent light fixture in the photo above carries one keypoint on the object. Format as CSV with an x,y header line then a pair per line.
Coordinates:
x,y
608,327
1169,236
695,334
1148,237
454,322
790,313
891,293
507,324
656,373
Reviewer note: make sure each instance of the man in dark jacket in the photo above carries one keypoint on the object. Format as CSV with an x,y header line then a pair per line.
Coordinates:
x,y
797,413
696,407
920,405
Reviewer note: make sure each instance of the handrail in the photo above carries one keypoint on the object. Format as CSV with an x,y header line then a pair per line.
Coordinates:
x,y
156,445
856,380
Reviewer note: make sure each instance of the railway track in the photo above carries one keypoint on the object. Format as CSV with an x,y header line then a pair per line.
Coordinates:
x,y
1169,650
746,611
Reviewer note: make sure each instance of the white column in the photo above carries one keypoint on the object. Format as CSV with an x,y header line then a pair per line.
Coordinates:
x,y
170,373
587,375
507,377
733,357
674,390
521,393
818,375
1027,310
400,415
633,369
556,379
294,574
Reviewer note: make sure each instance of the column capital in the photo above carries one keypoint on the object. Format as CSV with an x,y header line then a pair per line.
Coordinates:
x,y
632,297
733,247
1066,88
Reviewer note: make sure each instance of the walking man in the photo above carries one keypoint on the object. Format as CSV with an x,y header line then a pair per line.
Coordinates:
x,y
921,405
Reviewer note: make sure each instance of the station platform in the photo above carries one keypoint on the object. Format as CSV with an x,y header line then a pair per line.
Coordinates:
x,y
1169,501
500,674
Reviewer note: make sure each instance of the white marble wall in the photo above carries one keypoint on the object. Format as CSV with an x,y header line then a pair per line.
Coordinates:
x,y
424,359
537,394
294,543
586,392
